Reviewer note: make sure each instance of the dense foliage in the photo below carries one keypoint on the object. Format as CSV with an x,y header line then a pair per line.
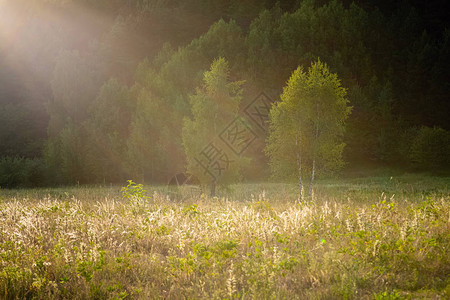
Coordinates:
x,y
214,106
97,91
307,125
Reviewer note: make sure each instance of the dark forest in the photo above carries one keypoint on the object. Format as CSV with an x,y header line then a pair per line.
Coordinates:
x,y
99,91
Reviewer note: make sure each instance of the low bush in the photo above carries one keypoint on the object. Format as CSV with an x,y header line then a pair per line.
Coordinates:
x,y
430,150
16,172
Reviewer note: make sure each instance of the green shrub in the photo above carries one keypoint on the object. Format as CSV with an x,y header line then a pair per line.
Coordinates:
x,y
134,191
430,150
21,172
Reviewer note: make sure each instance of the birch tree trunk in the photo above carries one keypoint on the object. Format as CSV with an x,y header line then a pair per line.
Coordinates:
x,y
312,178
299,167
314,155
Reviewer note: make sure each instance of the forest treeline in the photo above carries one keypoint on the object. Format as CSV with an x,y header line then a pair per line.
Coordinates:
x,y
97,91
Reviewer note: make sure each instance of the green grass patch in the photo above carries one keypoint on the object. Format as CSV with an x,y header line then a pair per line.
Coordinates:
x,y
371,238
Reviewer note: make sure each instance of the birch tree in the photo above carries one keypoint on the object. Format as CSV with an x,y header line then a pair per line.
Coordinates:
x,y
307,126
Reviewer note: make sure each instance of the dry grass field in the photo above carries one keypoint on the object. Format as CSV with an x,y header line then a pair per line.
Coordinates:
x,y
373,238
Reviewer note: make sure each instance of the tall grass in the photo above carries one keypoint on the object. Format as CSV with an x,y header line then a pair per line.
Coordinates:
x,y
378,238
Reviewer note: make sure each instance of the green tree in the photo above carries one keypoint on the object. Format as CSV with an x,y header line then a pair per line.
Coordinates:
x,y
67,156
75,85
307,126
430,150
264,55
19,131
108,129
152,152
214,106
162,92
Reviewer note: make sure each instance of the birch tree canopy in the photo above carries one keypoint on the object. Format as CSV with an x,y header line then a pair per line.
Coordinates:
x,y
307,126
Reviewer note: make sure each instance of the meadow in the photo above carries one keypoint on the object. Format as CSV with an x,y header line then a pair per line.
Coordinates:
x,y
369,238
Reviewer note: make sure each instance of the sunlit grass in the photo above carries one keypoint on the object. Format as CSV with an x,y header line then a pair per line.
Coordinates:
x,y
370,238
